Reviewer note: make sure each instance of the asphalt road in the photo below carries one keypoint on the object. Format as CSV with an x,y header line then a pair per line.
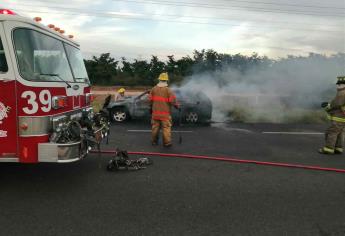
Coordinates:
x,y
183,196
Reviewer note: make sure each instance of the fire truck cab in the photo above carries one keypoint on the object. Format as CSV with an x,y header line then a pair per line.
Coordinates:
x,y
43,86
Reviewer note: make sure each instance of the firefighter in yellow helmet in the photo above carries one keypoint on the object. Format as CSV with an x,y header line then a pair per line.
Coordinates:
x,y
161,101
336,114
120,94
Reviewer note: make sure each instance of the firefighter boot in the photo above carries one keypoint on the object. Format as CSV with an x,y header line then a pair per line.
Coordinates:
x,y
338,150
326,150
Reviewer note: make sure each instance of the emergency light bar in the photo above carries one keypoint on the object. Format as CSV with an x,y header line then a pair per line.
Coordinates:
x,y
37,19
7,12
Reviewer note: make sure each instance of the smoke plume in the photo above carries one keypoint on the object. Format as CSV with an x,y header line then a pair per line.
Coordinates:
x,y
282,91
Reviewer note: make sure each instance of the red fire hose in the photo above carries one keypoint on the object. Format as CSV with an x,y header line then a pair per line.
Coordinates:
x,y
230,159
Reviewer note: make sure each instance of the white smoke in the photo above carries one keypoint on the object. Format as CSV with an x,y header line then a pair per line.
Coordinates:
x,y
274,93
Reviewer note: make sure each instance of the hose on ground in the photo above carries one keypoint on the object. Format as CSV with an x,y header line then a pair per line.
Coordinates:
x,y
230,159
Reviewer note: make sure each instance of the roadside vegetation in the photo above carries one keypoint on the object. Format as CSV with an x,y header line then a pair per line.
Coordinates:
x,y
107,71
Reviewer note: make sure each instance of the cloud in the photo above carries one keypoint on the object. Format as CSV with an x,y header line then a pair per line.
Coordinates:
x,y
145,29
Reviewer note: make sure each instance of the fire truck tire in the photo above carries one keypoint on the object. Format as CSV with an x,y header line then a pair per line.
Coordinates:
x,y
119,115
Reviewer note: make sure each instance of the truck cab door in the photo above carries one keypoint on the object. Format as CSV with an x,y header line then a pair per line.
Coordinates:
x,y
8,109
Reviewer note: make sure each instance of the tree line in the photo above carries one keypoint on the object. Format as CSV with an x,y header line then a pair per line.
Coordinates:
x,y
106,70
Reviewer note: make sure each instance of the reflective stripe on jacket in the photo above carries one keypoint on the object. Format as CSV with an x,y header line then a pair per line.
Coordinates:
x,y
336,109
162,98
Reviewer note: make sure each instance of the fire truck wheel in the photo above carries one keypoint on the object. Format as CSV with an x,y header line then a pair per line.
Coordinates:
x,y
119,115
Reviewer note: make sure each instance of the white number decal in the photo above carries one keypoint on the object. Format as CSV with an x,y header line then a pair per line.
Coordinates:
x,y
31,96
44,97
46,100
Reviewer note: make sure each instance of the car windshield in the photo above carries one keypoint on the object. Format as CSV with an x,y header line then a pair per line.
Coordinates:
x,y
143,96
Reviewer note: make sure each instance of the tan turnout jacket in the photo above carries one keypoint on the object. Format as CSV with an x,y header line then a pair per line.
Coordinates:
x,y
336,108
162,98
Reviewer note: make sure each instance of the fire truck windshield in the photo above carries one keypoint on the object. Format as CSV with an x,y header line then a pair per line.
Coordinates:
x,y
39,55
77,63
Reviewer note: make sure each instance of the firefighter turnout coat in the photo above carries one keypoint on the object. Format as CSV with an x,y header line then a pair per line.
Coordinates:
x,y
336,108
162,99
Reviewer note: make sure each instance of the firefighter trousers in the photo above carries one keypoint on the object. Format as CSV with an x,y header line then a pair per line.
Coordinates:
x,y
165,125
334,136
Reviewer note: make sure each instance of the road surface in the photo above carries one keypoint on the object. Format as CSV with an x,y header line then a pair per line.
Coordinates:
x,y
183,196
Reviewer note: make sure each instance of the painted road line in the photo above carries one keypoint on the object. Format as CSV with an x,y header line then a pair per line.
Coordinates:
x,y
295,133
149,131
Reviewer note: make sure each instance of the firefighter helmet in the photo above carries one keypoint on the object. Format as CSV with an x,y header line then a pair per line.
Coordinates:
x,y
121,90
163,77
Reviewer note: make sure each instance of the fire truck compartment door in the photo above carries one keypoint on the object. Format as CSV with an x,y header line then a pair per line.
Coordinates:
x,y
8,110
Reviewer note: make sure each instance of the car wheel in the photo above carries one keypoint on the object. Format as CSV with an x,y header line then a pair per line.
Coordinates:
x,y
119,115
192,117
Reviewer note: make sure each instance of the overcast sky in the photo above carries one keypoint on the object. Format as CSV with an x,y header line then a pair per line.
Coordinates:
x,y
140,28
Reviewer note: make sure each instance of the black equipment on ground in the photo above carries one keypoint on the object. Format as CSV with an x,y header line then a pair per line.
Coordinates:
x,y
122,161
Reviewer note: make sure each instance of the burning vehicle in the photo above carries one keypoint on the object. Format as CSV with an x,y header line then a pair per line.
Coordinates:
x,y
196,107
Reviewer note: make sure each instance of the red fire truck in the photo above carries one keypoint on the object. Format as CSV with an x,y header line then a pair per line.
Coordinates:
x,y
43,87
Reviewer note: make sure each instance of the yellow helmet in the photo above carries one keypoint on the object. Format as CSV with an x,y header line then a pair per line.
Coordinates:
x,y
121,90
163,77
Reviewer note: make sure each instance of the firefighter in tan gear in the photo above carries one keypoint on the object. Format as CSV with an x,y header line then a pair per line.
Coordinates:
x,y
162,99
336,114
120,94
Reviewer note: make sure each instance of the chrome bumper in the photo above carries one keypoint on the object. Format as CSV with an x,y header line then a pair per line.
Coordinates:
x,y
58,152
68,152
